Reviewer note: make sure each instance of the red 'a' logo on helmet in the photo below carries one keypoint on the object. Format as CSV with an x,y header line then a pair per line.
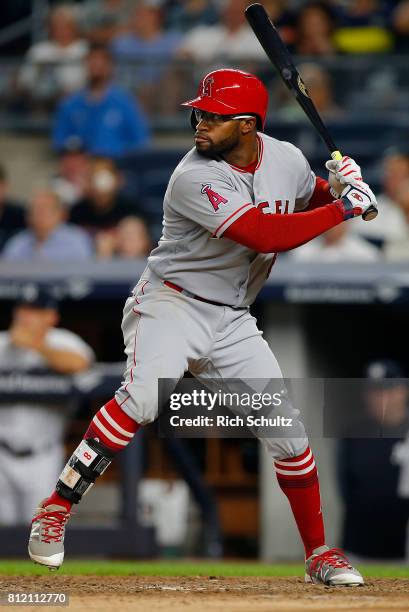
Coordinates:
x,y
215,199
207,87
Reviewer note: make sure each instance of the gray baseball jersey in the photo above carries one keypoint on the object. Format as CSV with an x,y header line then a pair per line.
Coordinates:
x,y
204,197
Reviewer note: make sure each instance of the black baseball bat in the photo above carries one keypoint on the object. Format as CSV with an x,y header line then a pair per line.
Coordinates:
x,y
281,58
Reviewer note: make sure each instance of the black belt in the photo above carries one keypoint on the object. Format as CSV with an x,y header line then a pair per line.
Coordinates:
x,y
198,297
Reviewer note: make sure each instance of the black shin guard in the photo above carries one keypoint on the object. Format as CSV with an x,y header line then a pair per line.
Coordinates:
x,y
89,460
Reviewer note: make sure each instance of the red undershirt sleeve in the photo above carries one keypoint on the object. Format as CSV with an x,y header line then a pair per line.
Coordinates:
x,y
272,233
320,196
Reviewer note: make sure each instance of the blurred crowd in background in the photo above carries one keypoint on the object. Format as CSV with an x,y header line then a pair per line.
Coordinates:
x,y
157,37
106,73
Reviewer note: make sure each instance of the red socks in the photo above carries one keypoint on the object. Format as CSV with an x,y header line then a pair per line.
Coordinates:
x,y
113,428
58,501
298,479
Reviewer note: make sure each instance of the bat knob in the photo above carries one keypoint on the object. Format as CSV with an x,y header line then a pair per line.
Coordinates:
x,y
370,214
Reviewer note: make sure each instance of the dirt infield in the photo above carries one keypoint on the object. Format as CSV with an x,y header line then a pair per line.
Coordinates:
x,y
218,594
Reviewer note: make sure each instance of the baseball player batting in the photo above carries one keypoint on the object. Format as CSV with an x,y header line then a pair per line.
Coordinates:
x,y
235,200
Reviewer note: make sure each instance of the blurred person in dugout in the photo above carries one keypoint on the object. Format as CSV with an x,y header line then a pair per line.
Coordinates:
x,y
373,468
390,225
54,67
129,240
48,236
34,343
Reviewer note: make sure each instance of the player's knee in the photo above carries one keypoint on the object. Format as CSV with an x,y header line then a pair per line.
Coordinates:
x,y
142,408
285,448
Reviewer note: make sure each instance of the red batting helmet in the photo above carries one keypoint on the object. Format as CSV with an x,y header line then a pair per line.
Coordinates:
x,y
231,92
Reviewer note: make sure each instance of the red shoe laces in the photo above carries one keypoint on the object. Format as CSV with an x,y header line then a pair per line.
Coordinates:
x,y
334,557
53,525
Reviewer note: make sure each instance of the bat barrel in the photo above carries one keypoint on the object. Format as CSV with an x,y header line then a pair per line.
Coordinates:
x,y
280,57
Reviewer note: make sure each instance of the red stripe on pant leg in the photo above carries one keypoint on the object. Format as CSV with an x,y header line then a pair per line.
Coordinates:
x,y
303,494
134,352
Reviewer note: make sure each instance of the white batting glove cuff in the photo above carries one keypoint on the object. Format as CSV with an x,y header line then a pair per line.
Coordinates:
x,y
357,199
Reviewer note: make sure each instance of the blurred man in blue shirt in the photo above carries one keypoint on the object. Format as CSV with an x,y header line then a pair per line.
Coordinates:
x,y
107,120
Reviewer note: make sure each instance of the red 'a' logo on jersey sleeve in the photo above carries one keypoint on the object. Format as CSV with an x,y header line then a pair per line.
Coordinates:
x,y
215,199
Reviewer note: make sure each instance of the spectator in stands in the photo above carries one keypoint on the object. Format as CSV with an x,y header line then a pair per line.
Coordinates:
x,y
363,27
56,66
129,240
34,344
72,173
400,26
398,250
319,86
373,468
314,30
107,120
101,20
104,205
231,40
152,49
12,215
48,237
390,224
146,39
188,14
283,18
337,245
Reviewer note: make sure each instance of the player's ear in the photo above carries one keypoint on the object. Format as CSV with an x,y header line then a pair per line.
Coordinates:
x,y
248,125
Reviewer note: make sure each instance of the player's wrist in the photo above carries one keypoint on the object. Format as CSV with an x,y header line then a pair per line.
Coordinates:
x,y
347,208
341,210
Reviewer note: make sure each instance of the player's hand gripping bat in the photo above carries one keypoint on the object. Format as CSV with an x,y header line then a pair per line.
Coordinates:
x,y
279,55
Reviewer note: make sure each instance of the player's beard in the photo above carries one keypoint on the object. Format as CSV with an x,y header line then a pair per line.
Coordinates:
x,y
219,149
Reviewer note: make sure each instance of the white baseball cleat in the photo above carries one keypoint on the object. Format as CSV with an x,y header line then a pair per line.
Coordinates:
x,y
46,544
331,567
